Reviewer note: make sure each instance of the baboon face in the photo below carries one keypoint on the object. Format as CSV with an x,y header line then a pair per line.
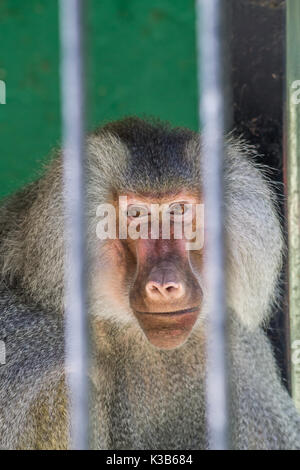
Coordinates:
x,y
153,265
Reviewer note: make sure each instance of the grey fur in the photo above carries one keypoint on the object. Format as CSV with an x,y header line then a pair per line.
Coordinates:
x,y
141,397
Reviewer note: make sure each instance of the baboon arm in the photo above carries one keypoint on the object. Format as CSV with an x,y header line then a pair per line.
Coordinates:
x,y
46,425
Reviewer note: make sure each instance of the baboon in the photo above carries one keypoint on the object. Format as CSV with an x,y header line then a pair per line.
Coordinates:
x,y
147,302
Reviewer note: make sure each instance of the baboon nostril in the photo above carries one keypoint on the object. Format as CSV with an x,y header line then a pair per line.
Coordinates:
x,y
154,288
171,288
168,290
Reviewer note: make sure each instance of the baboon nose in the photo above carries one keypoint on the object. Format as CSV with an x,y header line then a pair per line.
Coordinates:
x,y
164,290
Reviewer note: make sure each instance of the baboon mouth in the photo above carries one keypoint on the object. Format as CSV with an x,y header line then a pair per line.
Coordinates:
x,y
168,330
175,313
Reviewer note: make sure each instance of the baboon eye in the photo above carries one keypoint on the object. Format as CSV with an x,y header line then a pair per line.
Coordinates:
x,y
135,211
179,210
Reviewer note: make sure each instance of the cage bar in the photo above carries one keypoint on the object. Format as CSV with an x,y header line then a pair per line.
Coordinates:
x,y
76,328
293,187
212,117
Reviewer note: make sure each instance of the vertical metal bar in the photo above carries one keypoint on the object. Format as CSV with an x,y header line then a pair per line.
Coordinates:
x,y
212,117
76,337
293,187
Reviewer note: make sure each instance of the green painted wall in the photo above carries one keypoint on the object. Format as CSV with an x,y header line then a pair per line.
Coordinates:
x,y
141,60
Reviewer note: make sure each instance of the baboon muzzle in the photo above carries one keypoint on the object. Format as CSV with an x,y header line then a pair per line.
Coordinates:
x,y
165,296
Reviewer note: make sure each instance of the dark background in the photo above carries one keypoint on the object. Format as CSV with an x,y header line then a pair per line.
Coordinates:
x,y
257,47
